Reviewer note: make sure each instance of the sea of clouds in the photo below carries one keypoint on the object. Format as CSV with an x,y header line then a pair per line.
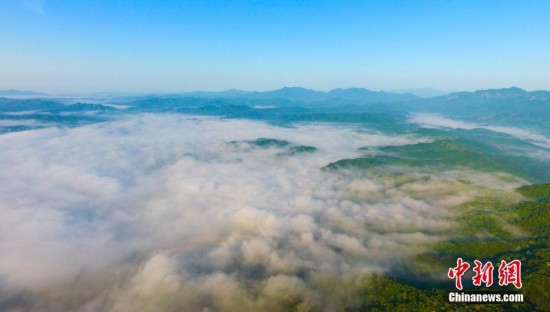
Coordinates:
x,y
165,212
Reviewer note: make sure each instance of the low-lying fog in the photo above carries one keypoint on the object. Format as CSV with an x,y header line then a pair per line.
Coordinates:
x,y
174,212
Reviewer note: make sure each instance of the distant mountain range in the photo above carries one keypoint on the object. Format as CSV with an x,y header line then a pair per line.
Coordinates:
x,y
491,99
507,107
360,95
21,105
13,92
510,107
297,94
424,92
499,94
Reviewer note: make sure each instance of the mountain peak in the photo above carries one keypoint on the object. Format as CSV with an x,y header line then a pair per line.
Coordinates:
x,y
514,89
507,91
490,93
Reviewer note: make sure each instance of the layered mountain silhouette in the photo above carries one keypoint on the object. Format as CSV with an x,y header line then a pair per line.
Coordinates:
x,y
298,94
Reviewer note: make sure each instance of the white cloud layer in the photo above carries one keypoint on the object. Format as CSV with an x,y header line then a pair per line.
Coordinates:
x,y
160,212
434,120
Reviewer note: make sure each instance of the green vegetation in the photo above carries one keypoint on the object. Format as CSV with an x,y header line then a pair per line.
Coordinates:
x,y
266,142
301,149
487,233
536,191
451,153
388,294
288,149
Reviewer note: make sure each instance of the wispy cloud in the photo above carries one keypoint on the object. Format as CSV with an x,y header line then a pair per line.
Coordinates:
x,y
435,120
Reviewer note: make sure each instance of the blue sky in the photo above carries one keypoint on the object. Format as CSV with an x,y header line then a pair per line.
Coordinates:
x,y
171,46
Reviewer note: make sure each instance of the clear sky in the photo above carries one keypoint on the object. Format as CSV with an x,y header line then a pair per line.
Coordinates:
x,y
171,46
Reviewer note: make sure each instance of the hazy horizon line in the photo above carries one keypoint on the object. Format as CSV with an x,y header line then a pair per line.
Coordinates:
x,y
115,92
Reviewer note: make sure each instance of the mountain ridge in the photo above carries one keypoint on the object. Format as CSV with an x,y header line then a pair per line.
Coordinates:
x,y
300,94
16,92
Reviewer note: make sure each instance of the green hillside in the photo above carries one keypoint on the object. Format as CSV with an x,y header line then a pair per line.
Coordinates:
x,y
451,153
411,291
